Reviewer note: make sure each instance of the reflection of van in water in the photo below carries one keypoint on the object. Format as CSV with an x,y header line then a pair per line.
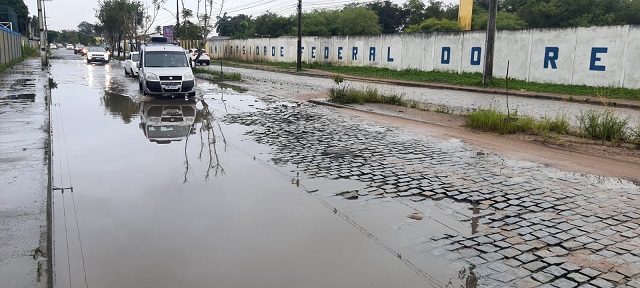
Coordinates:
x,y
164,121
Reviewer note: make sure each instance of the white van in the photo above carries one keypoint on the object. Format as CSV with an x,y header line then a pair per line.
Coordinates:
x,y
164,70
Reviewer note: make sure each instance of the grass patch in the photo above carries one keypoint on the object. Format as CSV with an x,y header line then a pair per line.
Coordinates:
x,y
5,66
491,120
217,76
342,94
28,51
464,79
345,95
604,126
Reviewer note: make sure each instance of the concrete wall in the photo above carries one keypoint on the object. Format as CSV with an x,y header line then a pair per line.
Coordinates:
x,y
10,45
594,56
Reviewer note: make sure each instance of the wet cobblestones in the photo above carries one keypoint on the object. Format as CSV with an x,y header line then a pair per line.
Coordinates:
x,y
537,226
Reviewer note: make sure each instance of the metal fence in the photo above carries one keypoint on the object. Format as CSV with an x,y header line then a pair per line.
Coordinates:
x,y
10,45
8,18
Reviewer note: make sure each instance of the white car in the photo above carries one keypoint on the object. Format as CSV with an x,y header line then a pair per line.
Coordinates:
x,y
53,46
163,70
130,67
97,54
204,58
70,47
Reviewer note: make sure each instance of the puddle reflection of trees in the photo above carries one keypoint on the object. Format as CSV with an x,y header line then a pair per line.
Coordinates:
x,y
208,142
121,106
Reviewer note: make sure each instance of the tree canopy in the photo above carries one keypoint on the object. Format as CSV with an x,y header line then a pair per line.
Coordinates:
x,y
22,12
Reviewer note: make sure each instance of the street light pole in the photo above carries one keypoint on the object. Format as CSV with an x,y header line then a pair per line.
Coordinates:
x,y
299,60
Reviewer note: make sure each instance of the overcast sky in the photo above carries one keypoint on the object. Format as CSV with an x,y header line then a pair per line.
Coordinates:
x,y
67,14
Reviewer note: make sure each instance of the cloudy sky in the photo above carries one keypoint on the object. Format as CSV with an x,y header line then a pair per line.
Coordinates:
x,y
67,14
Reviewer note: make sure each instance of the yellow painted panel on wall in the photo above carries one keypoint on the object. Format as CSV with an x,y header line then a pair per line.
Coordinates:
x,y
465,12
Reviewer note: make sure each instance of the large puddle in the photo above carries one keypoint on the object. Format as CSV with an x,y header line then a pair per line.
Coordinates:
x,y
167,195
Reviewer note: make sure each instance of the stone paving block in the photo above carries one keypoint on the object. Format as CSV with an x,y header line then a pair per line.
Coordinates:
x,y
612,276
572,245
554,260
558,251
601,283
587,286
594,246
476,261
526,257
492,257
488,248
503,277
527,282
555,271
570,267
542,277
564,283
628,270
510,252
578,277
535,266
502,244
550,240
590,272
483,240
512,262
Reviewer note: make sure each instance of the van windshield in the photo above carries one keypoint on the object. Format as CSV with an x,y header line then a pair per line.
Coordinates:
x,y
165,59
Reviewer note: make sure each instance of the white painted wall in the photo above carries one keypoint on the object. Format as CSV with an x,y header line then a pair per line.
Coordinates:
x,y
594,56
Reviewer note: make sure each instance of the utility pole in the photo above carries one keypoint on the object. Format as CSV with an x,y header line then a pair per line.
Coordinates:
x,y
175,30
43,44
491,41
299,66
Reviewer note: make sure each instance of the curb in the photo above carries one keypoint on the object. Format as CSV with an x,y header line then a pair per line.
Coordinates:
x,y
536,95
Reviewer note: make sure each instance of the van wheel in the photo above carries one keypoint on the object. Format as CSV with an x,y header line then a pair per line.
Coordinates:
x,y
126,72
192,94
208,63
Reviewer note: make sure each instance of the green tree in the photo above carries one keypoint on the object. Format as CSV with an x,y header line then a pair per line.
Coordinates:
x,y
391,16
357,21
416,12
52,36
271,25
504,21
235,26
22,12
434,25
86,28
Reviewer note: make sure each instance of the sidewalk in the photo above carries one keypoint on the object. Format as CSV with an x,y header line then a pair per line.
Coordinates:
x,y
621,103
24,176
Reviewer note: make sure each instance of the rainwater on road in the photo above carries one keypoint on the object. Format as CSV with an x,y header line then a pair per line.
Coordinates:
x,y
194,202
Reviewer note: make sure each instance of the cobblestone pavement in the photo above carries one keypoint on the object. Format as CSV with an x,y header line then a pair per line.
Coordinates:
x,y
536,226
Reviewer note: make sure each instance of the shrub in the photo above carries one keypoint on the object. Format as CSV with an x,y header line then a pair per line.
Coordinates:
x,y
603,125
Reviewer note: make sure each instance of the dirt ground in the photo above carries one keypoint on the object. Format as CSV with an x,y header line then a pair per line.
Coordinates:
x,y
564,152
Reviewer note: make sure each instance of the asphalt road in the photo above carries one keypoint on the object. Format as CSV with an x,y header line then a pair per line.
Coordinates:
x,y
197,203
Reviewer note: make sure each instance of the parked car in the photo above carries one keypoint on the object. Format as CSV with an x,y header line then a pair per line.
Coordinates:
x,y
164,70
204,58
97,54
130,67
70,47
53,46
78,49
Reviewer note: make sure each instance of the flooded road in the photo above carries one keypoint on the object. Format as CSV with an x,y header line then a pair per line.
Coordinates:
x,y
190,200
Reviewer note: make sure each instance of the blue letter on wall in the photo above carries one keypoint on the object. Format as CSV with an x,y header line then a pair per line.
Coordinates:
x,y
446,55
594,58
339,53
313,52
273,51
281,51
475,56
326,52
551,55
372,54
244,50
265,51
257,50
354,55
389,59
